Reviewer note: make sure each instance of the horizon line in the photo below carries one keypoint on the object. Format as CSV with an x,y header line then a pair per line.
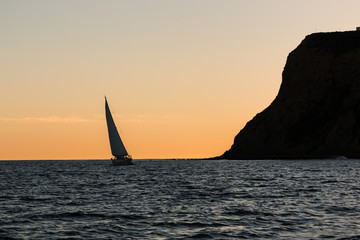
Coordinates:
x,y
96,159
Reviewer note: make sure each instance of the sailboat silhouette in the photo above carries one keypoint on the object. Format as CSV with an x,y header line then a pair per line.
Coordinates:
x,y
118,150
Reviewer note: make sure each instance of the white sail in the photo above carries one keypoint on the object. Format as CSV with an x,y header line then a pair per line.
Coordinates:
x,y
117,146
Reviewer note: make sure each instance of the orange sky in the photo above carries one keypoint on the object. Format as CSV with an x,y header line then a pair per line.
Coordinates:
x,y
182,77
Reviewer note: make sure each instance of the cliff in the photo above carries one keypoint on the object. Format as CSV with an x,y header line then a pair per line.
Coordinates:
x,y
316,113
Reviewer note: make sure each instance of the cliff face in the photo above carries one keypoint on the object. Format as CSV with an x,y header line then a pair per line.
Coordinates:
x,y
316,113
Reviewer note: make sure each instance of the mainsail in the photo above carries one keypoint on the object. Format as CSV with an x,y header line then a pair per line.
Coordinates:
x,y
117,146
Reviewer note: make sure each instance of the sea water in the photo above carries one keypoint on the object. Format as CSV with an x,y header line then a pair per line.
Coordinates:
x,y
180,199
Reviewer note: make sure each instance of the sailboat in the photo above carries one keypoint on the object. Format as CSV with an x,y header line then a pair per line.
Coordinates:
x,y
118,150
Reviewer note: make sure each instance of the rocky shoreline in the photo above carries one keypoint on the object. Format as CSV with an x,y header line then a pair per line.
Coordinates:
x,y
316,113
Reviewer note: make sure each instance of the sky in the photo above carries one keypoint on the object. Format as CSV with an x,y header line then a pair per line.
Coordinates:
x,y
182,77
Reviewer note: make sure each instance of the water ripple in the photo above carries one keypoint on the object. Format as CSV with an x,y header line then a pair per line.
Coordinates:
x,y
182,199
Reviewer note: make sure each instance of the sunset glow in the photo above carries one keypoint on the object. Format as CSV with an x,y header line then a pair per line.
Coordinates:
x,y
181,77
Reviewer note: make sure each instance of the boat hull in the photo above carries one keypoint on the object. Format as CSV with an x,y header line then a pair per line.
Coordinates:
x,y
121,162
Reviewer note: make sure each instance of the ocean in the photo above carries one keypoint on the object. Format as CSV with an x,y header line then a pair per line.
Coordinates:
x,y
180,199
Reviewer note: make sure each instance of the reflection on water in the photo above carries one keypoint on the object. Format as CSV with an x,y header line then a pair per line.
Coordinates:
x,y
180,199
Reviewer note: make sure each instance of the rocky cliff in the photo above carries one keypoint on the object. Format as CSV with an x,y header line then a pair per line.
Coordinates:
x,y
316,113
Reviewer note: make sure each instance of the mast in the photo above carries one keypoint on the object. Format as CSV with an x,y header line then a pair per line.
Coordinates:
x,y
117,146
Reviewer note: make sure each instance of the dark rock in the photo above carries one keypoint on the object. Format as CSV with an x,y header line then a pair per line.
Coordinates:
x,y
316,113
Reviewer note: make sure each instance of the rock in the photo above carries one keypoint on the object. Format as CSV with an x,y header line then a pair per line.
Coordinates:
x,y
316,113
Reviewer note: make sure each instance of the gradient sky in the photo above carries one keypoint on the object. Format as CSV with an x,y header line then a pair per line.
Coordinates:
x,y
182,77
